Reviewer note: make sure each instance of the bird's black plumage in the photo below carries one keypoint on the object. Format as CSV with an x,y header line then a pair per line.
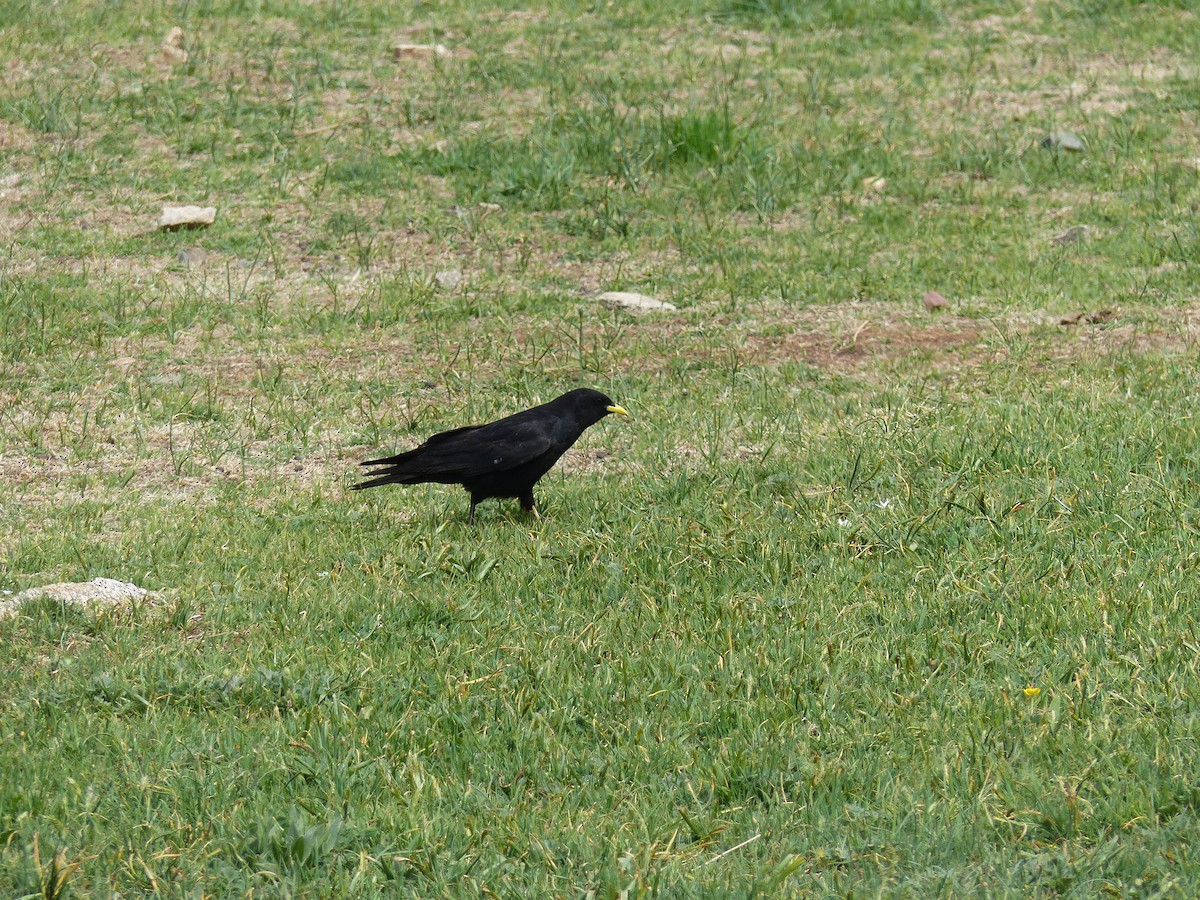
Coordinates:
x,y
504,458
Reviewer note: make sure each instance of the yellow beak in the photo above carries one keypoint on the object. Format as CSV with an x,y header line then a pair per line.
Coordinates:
x,y
619,410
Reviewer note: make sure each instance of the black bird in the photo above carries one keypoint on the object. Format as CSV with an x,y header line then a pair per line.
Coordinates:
x,y
501,459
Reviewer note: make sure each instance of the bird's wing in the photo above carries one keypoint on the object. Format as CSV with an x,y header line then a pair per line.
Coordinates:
x,y
497,447
473,451
449,436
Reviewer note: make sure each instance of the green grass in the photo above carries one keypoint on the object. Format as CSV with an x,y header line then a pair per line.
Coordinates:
x,y
861,601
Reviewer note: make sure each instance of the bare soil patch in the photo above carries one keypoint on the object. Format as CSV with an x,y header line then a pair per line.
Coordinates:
x,y
841,344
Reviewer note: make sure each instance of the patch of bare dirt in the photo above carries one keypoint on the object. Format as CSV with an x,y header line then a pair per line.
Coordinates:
x,y
1162,65
867,339
16,137
1170,330
1013,26
1021,81
586,460
851,337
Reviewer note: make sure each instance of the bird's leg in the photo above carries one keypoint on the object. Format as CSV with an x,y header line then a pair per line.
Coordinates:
x,y
528,505
471,514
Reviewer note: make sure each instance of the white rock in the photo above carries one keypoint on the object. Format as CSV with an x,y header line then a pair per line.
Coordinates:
x,y
176,217
637,302
418,51
449,279
9,181
104,593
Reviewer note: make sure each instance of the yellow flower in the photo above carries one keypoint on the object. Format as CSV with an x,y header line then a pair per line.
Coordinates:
x,y
1032,691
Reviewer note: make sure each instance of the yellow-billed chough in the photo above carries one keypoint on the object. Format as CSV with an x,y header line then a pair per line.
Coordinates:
x,y
501,459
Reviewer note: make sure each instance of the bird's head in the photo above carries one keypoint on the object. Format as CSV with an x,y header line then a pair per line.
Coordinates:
x,y
593,405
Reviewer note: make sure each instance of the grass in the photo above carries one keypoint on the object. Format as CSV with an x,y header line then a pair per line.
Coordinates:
x,y
863,601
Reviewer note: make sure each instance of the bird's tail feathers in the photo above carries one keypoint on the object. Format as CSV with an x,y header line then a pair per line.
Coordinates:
x,y
421,464
407,468
398,460
379,479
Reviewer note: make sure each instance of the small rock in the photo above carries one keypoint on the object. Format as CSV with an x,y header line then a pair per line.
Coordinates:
x,y
1063,140
172,47
934,300
1099,317
10,181
176,217
636,302
1073,235
875,184
104,593
193,256
418,51
489,207
449,279
171,379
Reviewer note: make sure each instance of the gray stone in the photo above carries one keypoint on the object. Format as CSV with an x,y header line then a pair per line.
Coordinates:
x,y
635,302
1064,140
449,279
